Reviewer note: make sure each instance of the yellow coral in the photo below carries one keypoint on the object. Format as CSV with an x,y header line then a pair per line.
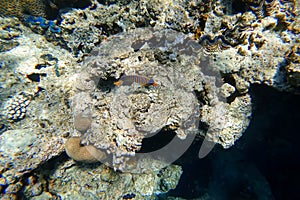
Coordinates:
x,y
19,8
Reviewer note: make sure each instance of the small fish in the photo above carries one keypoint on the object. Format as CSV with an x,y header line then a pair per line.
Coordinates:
x,y
130,79
129,196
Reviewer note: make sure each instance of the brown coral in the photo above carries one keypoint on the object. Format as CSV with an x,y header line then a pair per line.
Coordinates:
x,y
82,123
19,8
87,154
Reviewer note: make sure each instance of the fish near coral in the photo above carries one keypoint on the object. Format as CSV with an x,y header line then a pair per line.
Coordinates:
x,y
130,79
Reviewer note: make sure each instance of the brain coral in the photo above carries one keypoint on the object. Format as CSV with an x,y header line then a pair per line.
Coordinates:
x,y
20,8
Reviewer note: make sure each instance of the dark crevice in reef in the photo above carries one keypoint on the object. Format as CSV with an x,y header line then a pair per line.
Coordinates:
x,y
41,174
200,97
228,78
157,141
72,4
111,2
44,171
36,77
238,6
110,30
56,7
105,85
263,164
273,139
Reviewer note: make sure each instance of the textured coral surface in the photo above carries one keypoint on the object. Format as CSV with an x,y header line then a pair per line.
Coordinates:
x,y
19,8
122,116
205,56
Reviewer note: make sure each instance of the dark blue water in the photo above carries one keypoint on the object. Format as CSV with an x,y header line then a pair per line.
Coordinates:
x,y
264,163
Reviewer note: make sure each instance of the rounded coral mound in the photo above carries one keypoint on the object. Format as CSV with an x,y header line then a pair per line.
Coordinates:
x,y
78,152
23,7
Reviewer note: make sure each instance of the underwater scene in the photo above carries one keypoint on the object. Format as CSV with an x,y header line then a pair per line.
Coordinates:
x,y
149,99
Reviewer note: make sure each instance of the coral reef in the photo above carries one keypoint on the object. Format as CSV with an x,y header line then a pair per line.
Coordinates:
x,y
84,29
204,55
48,9
293,67
71,180
19,156
259,50
233,117
22,8
45,73
9,32
29,75
90,26
122,116
101,182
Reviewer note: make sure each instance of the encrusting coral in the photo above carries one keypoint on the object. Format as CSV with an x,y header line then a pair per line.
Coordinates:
x,y
87,154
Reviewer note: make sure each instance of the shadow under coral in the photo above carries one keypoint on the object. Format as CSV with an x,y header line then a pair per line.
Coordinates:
x,y
264,163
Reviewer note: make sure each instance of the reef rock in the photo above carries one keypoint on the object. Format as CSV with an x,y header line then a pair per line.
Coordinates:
x,y
70,180
35,86
121,117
